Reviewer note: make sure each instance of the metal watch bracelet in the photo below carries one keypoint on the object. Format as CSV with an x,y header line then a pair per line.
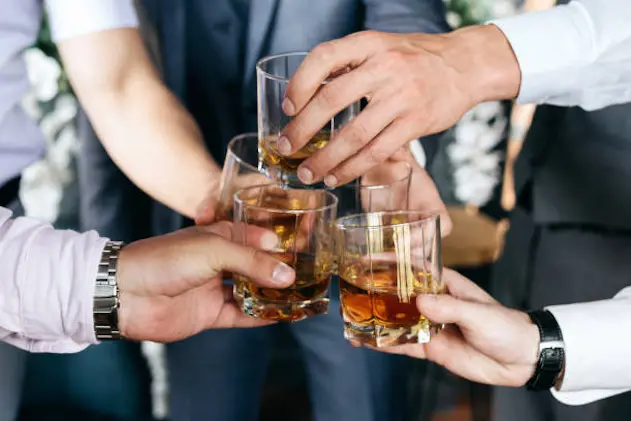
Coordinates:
x,y
106,299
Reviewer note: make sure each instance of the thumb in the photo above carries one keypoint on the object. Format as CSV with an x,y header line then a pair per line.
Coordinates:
x,y
447,309
256,265
207,210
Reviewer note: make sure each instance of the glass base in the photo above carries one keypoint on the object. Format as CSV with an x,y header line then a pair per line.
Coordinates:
x,y
279,311
380,336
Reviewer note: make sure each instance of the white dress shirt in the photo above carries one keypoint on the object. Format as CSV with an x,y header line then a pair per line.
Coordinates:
x,y
597,340
21,142
576,54
580,55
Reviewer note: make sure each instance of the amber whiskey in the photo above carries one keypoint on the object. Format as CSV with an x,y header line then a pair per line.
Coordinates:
x,y
271,158
307,297
379,306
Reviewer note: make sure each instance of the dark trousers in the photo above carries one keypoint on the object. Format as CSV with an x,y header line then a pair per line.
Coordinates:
x,y
559,264
219,374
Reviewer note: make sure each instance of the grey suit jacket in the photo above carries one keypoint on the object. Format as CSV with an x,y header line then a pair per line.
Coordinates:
x,y
274,26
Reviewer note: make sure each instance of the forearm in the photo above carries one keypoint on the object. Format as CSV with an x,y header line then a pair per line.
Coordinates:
x,y
144,128
155,142
47,280
597,348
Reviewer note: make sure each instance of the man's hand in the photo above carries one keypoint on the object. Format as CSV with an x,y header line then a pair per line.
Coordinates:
x,y
171,286
416,85
423,194
219,202
485,342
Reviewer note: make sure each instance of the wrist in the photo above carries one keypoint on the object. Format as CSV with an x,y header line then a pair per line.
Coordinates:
x,y
488,63
551,353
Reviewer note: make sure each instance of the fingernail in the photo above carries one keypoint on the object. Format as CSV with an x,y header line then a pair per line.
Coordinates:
x,y
305,175
330,181
269,241
288,107
283,146
283,274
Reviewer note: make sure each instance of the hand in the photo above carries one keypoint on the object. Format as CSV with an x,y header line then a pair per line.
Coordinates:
x,y
219,203
486,342
171,286
416,85
423,194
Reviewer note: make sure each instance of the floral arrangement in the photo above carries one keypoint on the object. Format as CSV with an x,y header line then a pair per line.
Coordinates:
x,y
52,104
475,166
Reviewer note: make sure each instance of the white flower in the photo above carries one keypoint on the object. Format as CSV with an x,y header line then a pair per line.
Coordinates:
x,y
476,166
43,73
61,152
453,19
486,110
64,111
30,105
41,191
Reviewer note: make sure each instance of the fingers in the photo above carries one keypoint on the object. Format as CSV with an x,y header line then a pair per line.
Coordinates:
x,y
254,236
424,196
206,211
324,60
376,151
463,288
230,315
354,136
448,309
258,266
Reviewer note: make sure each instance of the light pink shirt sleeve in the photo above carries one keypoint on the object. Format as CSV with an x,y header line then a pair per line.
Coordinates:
x,y
47,280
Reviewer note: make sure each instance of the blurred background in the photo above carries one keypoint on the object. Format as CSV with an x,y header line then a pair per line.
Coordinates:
x,y
472,169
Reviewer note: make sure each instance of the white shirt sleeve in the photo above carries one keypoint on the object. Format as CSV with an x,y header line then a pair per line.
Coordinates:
x,y
573,55
597,338
71,18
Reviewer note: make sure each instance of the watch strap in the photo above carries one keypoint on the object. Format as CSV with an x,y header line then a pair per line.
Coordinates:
x,y
106,298
551,351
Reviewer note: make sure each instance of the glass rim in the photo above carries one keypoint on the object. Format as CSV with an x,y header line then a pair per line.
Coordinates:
x,y
408,177
426,216
238,158
333,205
267,59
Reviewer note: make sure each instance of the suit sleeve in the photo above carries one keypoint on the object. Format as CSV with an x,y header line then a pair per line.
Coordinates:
x,y
597,338
406,16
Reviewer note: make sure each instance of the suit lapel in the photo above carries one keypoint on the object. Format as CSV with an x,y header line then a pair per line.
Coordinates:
x,y
261,16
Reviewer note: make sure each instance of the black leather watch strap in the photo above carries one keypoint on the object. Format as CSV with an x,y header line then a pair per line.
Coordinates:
x,y
551,351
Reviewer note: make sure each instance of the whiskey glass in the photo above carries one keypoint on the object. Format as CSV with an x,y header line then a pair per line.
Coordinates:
x,y
386,260
273,75
384,188
303,223
240,170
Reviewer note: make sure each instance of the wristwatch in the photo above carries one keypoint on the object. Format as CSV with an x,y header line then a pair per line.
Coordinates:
x,y
106,301
551,352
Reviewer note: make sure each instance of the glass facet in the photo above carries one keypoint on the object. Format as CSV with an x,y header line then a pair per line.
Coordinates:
x,y
273,75
303,223
385,260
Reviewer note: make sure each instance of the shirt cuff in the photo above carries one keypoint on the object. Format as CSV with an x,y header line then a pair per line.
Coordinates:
x,y
597,363
549,46
71,18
